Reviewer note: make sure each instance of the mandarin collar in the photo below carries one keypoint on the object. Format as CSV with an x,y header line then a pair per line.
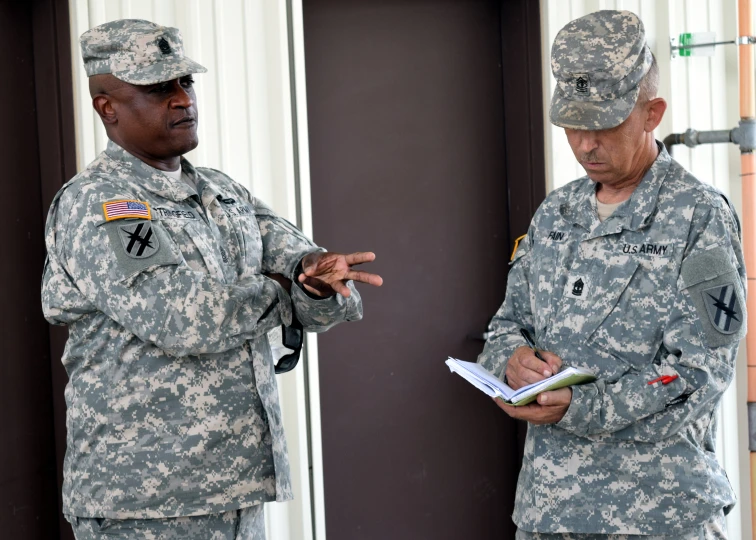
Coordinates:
x,y
133,169
633,214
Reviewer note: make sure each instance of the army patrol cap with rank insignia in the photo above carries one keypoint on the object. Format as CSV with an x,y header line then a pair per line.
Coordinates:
x,y
598,61
136,52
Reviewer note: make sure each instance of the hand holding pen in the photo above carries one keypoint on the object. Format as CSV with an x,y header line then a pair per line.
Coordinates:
x,y
530,365
531,343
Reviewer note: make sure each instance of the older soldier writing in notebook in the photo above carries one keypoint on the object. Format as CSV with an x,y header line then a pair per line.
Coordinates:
x,y
169,278
635,272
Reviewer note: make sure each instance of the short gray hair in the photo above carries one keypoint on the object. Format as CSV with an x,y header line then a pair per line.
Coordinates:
x,y
649,84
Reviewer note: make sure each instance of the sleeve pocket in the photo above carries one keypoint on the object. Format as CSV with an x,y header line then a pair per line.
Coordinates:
x,y
716,293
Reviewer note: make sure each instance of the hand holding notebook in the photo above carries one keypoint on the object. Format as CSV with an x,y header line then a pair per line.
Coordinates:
x,y
485,381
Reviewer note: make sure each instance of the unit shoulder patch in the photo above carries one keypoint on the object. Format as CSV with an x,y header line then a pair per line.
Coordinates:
x,y
723,308
718,298
126,208
138,245
138,240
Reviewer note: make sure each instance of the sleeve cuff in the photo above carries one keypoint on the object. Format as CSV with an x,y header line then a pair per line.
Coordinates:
x,y
285,307
298,267
578,416
322,313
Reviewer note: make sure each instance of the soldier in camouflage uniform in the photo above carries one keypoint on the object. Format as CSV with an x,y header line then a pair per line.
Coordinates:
x,y
169,278
636,272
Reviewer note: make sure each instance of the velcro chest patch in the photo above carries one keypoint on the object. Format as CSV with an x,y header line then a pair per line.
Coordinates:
x,y
578,286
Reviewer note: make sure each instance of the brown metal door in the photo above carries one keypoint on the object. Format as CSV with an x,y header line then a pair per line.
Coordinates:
x,y
37,155
410,116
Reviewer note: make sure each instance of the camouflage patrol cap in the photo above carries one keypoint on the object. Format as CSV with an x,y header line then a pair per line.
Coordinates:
x,y
137,52
598,61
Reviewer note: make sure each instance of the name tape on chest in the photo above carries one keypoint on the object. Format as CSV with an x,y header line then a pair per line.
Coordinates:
x,y
658,250
169,213
557,236
126,209
234,208
236,211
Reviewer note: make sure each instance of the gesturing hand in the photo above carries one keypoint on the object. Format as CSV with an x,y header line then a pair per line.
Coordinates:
x,y
326,274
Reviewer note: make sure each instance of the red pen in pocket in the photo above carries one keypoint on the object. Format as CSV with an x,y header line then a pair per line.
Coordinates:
x,y
664,379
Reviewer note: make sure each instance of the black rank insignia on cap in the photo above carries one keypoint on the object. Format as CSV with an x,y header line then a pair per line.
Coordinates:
x,y
165,47
138,240
581,84
723,307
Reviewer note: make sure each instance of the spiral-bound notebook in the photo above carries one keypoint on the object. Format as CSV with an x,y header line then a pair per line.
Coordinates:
x,y
484,380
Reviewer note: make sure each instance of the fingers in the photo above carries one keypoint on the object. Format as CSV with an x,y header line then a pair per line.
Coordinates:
x,y
365,277
555,363
511,410
556,398
338,287
341,288
523,370
519,374
537,366
522,412
359,257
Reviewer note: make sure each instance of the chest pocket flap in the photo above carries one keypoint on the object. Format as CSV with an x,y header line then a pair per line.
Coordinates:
x,y
610,284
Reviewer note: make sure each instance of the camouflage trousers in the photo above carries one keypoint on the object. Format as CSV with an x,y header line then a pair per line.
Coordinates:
x,y
245,524
714,529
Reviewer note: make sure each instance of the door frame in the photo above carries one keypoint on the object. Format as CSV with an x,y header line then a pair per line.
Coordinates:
x,y
57,149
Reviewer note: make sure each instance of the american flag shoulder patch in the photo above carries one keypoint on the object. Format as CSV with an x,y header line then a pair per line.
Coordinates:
x,y
126,209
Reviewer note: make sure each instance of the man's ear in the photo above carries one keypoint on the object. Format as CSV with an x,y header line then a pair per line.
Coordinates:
x,y
104,107
654,113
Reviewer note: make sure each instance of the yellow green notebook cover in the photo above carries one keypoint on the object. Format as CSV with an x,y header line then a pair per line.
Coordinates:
x,y
485,381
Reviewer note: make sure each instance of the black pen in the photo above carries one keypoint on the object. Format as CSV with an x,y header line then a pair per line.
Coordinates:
x,y
531,343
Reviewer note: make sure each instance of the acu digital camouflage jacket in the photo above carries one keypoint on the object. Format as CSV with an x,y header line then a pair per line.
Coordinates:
x,y
172,400
656,289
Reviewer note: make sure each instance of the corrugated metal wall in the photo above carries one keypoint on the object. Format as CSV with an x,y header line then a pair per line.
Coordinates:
x,y
702,93
246,130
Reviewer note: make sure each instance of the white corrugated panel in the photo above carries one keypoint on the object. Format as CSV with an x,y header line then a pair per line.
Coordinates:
x,y
702,93
246,130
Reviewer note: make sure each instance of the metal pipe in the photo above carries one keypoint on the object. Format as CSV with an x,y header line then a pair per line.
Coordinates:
x,y
693,137
747,171
744,136
673,139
